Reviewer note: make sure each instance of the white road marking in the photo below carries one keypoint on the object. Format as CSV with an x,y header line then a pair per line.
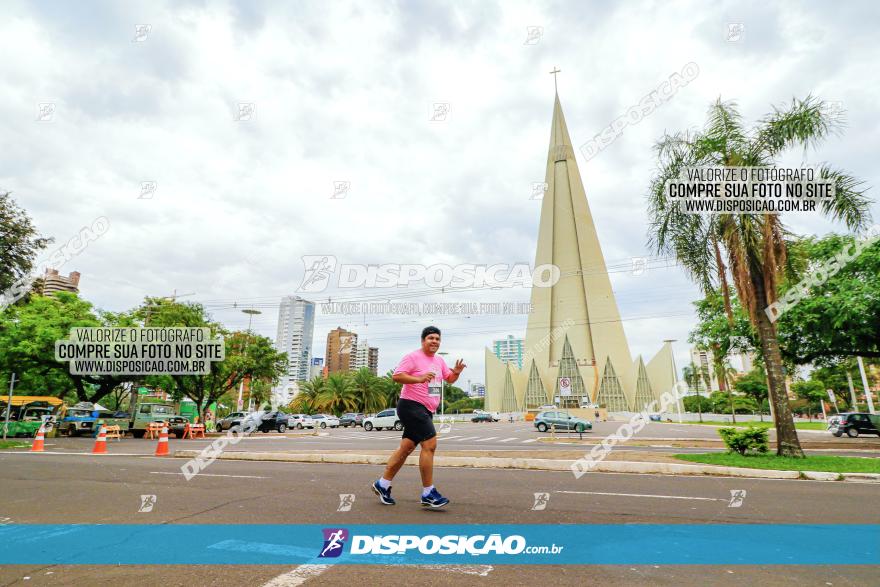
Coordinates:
x,y
297,576
644,495
208,475
442,437
530,440
508,439
467,438
487,439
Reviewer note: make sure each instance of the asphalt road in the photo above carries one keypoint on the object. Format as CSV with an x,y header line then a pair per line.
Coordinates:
x,y
467,436
78,488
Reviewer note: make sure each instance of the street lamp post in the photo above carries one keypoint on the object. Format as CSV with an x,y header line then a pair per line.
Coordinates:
x,y
251,313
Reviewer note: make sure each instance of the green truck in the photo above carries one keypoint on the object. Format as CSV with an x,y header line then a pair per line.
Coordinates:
x,y
25,413
145,413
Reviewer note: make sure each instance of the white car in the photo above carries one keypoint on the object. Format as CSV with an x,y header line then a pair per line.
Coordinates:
x,y
325,420
300,421
384,419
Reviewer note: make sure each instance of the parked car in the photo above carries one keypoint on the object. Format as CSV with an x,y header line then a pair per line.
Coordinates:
x,y
854,424
352,419
325,420
300,421
274,421
233,419
384,419
481,417
562,420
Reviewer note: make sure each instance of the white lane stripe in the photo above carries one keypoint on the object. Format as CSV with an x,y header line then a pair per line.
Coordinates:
x,y
466,438
208,475
297,576
444,437
508,439
530,440
644,495
487,439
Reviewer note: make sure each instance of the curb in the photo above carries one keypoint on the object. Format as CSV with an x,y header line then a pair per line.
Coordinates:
x,y
542,465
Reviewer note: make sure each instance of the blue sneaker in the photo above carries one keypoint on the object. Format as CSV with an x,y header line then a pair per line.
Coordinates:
x,y
434,500
384,494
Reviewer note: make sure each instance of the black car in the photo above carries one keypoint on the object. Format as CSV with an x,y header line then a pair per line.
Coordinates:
x,y
854,424
351,419
274,421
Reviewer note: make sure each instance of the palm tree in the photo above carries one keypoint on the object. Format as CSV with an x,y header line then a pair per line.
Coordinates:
x,y
308,400
754,244
338,395
390,389
692,378
368,390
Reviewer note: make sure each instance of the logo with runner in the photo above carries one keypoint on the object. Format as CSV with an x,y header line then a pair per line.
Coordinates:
x,y
334,541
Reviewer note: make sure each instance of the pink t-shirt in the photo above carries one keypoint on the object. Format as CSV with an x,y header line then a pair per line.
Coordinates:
x,y
418,363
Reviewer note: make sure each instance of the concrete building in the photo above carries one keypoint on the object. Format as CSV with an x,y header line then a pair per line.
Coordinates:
x,y
509,350
341,350
366,356
575,348
52,282
477,390
296,325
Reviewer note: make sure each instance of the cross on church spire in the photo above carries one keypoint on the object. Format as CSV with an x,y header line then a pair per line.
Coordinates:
x,y
554,72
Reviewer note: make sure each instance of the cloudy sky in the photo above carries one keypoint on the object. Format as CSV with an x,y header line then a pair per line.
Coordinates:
x,y
346,92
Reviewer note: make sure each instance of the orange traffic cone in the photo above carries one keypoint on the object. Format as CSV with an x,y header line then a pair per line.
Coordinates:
x,y
37,446
100,443
162,447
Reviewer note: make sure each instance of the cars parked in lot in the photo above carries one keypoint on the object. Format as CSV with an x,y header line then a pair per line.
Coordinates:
x,y
233,419
352,419
300,421
274,421
853,424
325,420
562,421
384,419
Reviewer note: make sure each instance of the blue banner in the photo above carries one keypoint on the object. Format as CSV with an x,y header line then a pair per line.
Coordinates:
x,y
519,544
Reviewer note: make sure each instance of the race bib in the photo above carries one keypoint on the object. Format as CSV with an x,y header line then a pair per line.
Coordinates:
x,y
435,384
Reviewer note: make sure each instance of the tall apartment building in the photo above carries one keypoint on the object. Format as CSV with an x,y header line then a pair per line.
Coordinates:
x,y
296,325
52,282
477,390
509,350
704,360
366,356
341,350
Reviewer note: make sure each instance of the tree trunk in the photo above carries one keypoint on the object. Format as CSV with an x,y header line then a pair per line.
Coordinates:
x,y
787,443
722,277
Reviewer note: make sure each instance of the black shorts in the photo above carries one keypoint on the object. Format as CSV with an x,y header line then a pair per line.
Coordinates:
x,y
418,423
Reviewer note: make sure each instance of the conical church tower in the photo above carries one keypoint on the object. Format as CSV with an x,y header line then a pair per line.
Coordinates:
x,y
574,332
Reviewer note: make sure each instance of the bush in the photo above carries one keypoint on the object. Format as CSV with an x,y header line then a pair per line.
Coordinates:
x,y
742,440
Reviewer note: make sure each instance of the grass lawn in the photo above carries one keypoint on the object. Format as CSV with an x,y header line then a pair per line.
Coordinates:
x,y
13,444
798,425
829,463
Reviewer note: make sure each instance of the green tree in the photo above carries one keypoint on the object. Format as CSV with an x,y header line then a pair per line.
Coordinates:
x,y
308,400
368,390
19,242
753,245
754,385
247,355
390,389
697,403
811,391
28,332
829,325
339,394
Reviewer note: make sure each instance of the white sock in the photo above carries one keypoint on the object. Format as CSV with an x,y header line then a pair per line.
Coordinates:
x,y
384,483
427,490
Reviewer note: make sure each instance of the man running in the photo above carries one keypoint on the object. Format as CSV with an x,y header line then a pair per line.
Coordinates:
x,y
421,372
